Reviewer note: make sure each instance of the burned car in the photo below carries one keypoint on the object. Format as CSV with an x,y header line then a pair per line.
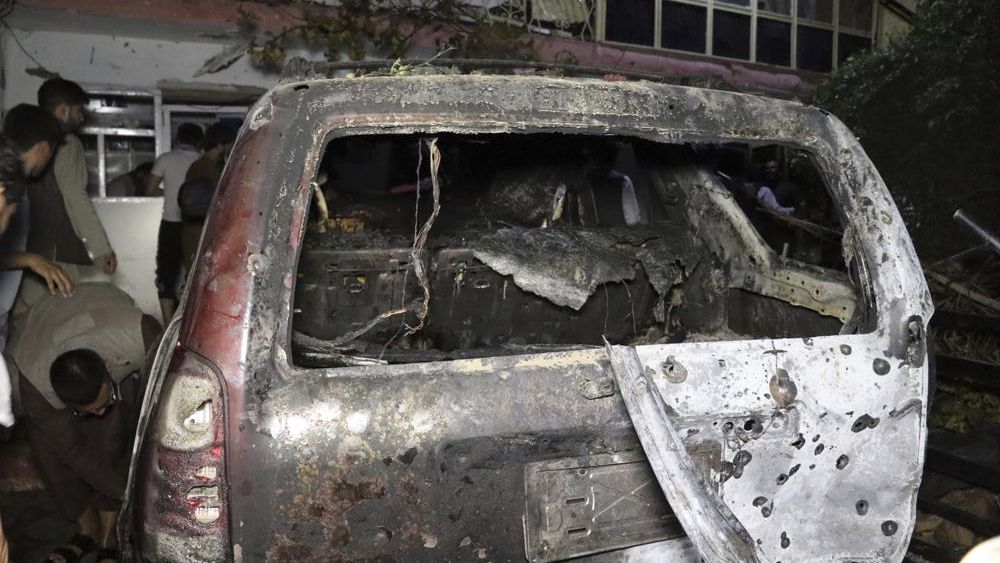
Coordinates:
x,y
467,317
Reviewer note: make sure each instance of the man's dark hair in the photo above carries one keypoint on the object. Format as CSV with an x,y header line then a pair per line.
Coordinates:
x,y
77,376
217,134
144,168
190,134
11,175
57,91
26,125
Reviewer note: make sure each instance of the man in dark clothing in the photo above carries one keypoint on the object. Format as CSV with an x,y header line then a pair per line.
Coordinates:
x,y
203,176
24,152
15,165
81,384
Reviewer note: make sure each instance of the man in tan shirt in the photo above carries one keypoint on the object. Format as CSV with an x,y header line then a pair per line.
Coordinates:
x,y
82,378
64,226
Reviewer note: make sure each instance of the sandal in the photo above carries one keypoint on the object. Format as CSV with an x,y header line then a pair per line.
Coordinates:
x,y
108,553
84,543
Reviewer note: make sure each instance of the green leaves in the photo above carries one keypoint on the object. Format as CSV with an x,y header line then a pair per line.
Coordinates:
x,y
927,112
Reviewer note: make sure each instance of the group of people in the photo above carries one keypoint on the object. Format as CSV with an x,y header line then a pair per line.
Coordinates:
x,y
74,345
187,177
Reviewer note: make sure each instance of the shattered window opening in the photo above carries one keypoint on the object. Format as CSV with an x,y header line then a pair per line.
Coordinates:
x,y
522,253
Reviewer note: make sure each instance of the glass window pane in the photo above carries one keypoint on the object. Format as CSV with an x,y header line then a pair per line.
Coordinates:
x,y
856,14
731,35
630,21
815,49
776,6
774,42
848,45
817,10
683,27
735,2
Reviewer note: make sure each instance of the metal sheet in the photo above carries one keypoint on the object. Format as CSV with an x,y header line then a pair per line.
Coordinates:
x,y
580,506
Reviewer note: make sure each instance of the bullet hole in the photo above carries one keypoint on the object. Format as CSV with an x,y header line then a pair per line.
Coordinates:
x,y
864,421
387,460
783,389
737,471
785,542
818,450
725,471
816,438
382,535
842,461
880,366
862,507
794,469
673,371
749,424
727,427
845,349
782,479
766,510
742,457
799,442
812,466
889,527
759,501
407,457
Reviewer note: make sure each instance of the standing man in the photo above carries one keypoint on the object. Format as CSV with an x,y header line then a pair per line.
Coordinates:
x,y
32,137
199,186
64,224
15,165
169,170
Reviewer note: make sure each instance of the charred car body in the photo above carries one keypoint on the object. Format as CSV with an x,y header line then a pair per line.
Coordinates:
x,y
430,320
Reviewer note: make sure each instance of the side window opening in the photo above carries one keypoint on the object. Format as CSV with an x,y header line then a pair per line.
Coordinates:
x,y
425,248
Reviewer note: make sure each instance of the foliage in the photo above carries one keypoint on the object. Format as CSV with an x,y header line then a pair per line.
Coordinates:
x,y
960,409
387,27
926,110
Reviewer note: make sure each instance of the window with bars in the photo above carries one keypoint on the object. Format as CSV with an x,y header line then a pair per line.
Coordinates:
x,y
815,35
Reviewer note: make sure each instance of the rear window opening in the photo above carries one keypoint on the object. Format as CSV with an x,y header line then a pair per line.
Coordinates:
x,y
541,242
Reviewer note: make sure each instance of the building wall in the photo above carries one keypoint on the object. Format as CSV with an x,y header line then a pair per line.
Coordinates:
x,y
114,61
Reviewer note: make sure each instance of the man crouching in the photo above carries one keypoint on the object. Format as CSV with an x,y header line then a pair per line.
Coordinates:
x,y
81,386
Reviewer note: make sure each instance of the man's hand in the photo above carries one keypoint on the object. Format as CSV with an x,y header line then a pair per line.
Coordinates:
x,y
54,276
109,263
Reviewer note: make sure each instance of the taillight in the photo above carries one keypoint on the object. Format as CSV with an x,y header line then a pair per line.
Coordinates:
x,y
184,419
180,487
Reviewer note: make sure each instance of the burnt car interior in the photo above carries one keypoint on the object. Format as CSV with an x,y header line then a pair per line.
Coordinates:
x,y
423,248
